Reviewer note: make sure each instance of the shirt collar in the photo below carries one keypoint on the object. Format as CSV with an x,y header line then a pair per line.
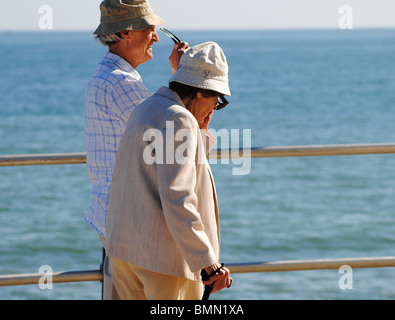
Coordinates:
x,y
119,63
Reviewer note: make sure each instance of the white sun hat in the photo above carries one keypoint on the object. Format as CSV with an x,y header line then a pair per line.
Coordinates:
x,y
204,66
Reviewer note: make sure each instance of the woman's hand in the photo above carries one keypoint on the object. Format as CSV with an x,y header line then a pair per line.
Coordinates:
x,y
178,50
206,121
219,277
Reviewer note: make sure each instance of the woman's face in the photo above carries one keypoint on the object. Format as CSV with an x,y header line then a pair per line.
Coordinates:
x,y
202,108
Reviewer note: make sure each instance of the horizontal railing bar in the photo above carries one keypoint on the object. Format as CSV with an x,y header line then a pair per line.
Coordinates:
x,y
266,152
57,277
304,265
42,159
273,266
306,151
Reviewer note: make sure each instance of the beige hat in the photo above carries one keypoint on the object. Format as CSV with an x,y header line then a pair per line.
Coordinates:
x,y
204,66
120,15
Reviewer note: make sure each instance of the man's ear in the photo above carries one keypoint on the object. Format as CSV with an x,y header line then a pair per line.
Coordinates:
x,y
125,34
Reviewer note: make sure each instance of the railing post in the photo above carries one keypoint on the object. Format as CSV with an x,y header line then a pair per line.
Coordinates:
x,y
102,271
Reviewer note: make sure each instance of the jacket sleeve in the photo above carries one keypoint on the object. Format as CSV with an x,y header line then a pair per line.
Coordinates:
x,y
177,179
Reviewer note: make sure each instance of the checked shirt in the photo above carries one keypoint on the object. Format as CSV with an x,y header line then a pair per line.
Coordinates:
x,y
113,91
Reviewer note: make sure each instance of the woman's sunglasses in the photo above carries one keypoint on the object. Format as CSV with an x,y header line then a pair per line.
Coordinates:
x,y
222,103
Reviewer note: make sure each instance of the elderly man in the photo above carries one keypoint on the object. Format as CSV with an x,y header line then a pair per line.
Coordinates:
x,y
128,29
163,223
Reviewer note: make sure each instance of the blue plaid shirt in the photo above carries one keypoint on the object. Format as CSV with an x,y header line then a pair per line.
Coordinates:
x,y
113,91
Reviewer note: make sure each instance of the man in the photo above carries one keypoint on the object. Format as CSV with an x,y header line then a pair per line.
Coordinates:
x,y
128,29
163,223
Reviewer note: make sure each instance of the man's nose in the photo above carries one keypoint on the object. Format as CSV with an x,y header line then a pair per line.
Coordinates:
x,y
155,36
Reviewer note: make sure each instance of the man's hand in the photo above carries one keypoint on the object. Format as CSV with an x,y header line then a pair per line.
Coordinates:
x,y
219,277
178,50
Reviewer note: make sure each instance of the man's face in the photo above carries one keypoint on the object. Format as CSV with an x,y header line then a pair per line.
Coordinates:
x,y
140,45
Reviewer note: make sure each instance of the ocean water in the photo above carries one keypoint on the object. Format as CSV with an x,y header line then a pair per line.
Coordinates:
x,y
288,87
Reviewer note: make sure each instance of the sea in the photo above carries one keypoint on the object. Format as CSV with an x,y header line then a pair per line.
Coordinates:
x,y
289,88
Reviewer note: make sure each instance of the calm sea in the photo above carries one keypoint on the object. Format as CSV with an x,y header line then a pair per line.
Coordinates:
x,y
288,88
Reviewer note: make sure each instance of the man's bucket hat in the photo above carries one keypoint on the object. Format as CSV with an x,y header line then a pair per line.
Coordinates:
x,y
204,66
120,15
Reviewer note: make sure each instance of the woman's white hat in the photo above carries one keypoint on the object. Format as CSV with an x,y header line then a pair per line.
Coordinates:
x,y
204,66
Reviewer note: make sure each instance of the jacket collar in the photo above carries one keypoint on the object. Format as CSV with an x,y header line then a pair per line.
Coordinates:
x,y
170,94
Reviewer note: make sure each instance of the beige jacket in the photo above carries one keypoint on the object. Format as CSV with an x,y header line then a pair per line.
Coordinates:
x,y
163,213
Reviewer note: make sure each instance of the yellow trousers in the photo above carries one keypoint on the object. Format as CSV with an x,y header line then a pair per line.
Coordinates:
x,y
135,283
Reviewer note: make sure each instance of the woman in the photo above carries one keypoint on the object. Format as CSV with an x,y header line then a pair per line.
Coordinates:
x,y
163,223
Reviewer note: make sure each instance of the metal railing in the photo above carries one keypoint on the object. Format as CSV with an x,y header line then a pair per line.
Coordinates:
x,y
272,266
268,152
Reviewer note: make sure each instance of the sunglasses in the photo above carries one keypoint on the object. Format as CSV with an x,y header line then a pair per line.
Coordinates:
x,y
222,103
170,35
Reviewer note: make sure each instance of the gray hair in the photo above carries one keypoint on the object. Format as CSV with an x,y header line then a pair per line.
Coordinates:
x,y
109,39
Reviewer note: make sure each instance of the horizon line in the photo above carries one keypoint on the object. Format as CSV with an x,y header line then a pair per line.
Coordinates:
x,y
213,29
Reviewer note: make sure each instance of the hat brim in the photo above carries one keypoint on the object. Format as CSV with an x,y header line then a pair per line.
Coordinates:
x,y
193,80
136,24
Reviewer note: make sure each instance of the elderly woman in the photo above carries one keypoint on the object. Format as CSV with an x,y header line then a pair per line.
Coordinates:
x,y
163,223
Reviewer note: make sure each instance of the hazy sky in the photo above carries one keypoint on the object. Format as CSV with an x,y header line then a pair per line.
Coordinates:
x,y
207,14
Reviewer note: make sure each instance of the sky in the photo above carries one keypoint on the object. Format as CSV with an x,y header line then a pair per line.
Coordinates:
x,y
204,14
